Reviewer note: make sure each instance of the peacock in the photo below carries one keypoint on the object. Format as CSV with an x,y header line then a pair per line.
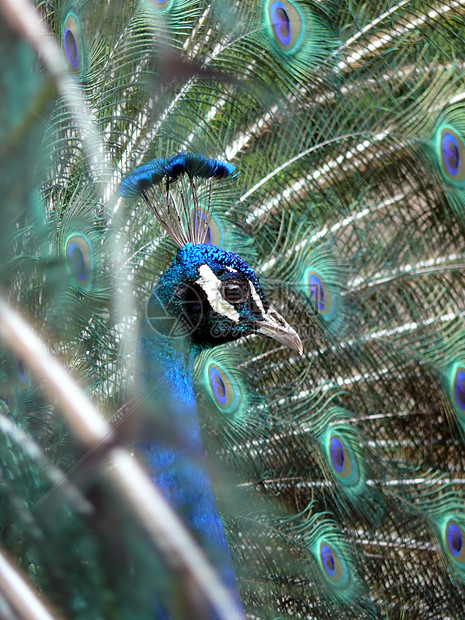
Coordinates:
x,y
232,290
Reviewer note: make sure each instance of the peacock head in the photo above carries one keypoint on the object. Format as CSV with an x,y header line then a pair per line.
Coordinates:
x,y
212,297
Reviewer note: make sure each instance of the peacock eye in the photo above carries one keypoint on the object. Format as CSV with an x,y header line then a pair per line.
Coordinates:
x,y
71,42
235,292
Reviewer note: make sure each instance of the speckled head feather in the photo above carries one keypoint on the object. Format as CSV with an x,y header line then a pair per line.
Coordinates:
x,y
218,292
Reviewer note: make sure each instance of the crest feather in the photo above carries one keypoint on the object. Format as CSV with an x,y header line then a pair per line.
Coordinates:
x,y
184,209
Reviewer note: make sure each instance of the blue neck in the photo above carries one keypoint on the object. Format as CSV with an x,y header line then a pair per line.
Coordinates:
x,y
175,458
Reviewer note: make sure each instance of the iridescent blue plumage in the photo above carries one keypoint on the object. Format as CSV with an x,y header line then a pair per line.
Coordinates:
x,y
153,172
459,382
175,460
454,539
186,293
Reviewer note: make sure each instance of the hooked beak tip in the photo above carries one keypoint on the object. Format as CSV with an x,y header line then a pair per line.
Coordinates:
x,y
274,326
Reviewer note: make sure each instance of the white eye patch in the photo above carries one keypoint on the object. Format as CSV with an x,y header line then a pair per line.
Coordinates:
x,y
256,298
210,285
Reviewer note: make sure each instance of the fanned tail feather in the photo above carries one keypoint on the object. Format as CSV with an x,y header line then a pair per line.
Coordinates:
x,y
339,474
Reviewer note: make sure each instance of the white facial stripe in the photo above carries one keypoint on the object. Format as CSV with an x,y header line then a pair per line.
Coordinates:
x,y
230,269
211,286
256,298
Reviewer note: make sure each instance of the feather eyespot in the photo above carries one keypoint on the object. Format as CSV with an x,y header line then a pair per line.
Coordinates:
x,y
337,454
321,293
23,375
342,460
222,387
281,23
317,292
224,390
327,558
459,389
71,42
455,541
79,258
286,24
452,155
333,565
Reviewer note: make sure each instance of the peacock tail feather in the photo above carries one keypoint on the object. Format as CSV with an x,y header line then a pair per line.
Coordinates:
x,y
338,474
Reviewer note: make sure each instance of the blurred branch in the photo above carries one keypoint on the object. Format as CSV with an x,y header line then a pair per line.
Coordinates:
x,y
23,600
158,519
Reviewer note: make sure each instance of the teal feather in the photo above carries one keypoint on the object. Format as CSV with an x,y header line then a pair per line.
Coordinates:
x,y
228,396
448,147
338,474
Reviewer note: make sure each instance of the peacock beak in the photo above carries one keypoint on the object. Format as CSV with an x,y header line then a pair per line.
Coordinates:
x,y
274,326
